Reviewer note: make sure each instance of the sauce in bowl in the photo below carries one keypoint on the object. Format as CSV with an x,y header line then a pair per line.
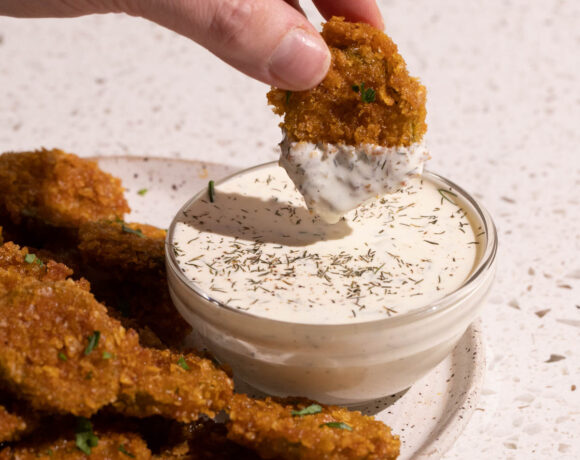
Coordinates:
x,y
256,248
340,313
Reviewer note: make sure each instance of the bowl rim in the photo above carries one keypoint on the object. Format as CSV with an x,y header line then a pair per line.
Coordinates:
x,y
485,264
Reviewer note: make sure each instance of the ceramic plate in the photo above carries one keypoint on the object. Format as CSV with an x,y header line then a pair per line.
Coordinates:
x,y
428,417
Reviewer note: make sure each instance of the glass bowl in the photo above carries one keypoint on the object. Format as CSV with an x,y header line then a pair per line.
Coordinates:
x,y
345,364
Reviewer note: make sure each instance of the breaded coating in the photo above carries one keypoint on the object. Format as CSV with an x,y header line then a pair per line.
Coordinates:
x,y
110,446
125,263
278,430
131,248
60,351
205,440
29,264
57,189
11,425
367,96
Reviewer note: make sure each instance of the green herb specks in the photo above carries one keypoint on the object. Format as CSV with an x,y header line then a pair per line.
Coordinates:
x,y
310,410
85,438
211,191
339,425
93,342
182,363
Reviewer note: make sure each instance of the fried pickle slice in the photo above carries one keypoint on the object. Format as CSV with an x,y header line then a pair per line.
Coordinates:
x,y
61,352
132,248
125,263
110,446
58,189
204,440
367,97
292,429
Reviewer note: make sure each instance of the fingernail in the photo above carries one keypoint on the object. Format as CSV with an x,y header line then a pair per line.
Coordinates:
x,y
300,61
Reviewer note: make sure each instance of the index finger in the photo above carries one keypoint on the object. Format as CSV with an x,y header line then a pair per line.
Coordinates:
x,y
359,11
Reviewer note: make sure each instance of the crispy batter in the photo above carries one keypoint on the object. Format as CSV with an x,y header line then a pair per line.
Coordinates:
x,y
125,263
45,329
11,425
204,440
57,189
111,446
29,264
336,112
270,428
131,248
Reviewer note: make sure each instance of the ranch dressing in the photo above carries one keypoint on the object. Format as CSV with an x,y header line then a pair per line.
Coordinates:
x,y
258,249
335,179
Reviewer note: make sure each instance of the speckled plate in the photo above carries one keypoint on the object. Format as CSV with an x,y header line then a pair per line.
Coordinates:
x,y
428,417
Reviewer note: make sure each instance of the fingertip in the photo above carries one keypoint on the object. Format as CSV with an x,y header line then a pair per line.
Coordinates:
x,y
300,61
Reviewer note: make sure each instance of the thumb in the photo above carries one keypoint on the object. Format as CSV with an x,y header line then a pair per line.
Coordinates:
x,y
267,40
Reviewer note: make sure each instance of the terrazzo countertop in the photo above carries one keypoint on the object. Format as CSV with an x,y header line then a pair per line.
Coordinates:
x,y
504,111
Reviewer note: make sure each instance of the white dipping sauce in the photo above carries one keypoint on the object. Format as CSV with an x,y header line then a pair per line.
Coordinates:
x,y
258,249
335,179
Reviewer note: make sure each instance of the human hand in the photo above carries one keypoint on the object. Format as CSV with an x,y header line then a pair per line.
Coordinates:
x,y
269,40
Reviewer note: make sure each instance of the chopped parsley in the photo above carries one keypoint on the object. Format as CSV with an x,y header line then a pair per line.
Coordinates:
x,y
107,355
124,451
366,94
288,94
211,190
310,410
62,356
29,258
93,342
85,438
137,232
339,425
142,192
181,362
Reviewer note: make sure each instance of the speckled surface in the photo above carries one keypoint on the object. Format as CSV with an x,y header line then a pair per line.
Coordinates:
x,y
504,110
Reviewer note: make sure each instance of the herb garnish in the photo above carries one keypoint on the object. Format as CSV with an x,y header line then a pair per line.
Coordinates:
x,y
93,342
124,451
366,94
127,229
142,192
62,356
443,193
211,190
339,425
85,438
107,355
181,362
288,94
310,410
31,258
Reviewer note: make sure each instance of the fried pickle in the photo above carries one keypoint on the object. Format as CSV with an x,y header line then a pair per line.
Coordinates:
x,y
367,97
304,430
58,188
204,440
133,249
60,351
125,263
110,446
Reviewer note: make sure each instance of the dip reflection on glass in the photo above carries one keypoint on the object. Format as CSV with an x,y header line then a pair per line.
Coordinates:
x,y
256,248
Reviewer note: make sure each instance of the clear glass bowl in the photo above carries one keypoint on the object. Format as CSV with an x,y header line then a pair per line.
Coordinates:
x,y
337,363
